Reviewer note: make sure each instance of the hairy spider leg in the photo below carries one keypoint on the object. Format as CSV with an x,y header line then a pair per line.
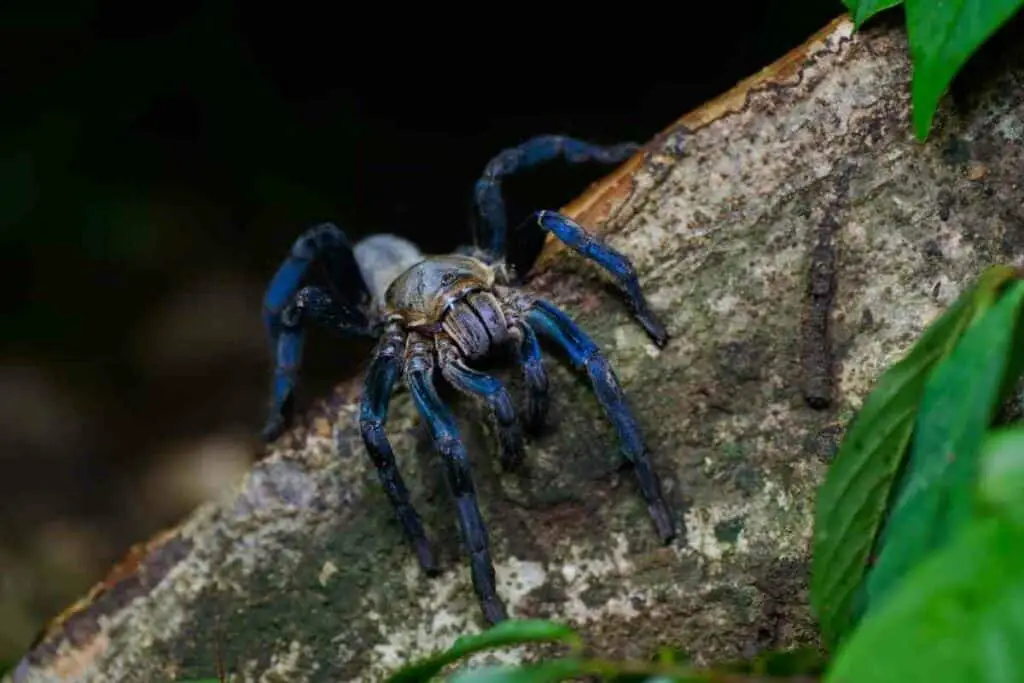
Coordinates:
x,y
551,322
572,234
373,415
492,392
287,360
493,226
328,243
419,369
535,377
316,305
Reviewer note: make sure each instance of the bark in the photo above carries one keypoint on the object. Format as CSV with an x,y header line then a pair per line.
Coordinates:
x,y
795,238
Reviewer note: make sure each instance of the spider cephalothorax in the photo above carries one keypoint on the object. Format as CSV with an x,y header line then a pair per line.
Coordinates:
x,y
438,314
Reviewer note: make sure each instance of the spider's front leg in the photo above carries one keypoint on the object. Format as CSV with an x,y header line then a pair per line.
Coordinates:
x,y
553,323
373,414
419,371
488,389
535,376
283,319
572,234
492,220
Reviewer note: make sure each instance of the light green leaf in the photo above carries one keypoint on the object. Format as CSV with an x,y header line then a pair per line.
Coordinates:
x,y
852,501
545,672
511,632
943,34
1001,485
937,488
958,616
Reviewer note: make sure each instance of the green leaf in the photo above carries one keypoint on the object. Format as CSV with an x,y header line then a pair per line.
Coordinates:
x,y
943,34
937,488
511,632
545,672
851,502
862,10
958,616
1001,485
782,663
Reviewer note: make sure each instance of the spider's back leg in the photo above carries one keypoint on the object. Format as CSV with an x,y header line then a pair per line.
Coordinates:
x,y
419,370
283,311
329,243
551,322
492,221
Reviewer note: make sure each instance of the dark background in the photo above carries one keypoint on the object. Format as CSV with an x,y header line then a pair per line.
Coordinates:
x,y
157,163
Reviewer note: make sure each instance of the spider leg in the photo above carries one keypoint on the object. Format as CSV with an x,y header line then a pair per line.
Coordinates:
x,y
535,376
551,322
373,414
535,151
289,332
574,236
491,391
287,359
325,241
419,369
287,336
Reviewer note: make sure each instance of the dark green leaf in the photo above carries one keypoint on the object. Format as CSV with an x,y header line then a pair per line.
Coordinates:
x,y
851,502
1001,486
937,488
958,616
669,655
943,34
545,672
511,632
862,10
796,662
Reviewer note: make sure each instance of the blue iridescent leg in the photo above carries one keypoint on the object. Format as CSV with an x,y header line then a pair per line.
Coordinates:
x,y
419,370
287,359
493,227
329,244
574,236
326,242
536,377
491,391
310,304
549,321
373,415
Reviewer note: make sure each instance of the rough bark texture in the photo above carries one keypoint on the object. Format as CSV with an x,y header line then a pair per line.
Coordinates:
x,y
796,242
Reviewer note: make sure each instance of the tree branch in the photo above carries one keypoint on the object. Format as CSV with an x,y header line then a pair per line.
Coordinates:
x,y
795,243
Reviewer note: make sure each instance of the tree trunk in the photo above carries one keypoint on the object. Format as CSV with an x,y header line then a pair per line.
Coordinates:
x,y
794,237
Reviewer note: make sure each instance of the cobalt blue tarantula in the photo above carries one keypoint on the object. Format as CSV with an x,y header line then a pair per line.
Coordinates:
x,y
442,313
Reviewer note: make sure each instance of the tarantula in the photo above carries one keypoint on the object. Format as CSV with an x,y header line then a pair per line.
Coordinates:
x,y
442,313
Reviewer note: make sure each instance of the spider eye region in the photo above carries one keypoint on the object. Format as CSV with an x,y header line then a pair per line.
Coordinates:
x,y
423,293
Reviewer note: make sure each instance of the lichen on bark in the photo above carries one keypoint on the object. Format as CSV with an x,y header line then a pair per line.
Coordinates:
x,y
794,237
